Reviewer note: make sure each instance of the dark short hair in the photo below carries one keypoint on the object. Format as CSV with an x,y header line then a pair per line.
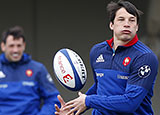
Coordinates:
x,y
113,7
16,31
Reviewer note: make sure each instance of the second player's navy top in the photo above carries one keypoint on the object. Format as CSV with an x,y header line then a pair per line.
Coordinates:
x,y
124,79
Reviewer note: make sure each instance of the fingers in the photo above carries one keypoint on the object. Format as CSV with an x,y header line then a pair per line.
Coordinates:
x,y
78,112
61,100
68,107
56,107
79,93
56,113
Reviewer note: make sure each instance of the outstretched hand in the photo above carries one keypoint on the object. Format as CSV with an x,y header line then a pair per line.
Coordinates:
x,y
77,105
60,111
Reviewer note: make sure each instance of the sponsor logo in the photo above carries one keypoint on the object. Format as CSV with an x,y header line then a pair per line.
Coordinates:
x,y
126,61
28,83
61,65
29,72
67,78
99,74
144,71
2,75
100,59
49,78
122,77
3,85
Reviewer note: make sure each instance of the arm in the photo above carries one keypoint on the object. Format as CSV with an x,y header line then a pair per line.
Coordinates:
x,y
127,102
93,88
48,92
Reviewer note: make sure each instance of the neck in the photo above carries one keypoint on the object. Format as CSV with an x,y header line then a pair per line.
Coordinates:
x,y
119,43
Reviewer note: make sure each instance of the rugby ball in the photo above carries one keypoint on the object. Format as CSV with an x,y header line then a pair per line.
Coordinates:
x,y
69,69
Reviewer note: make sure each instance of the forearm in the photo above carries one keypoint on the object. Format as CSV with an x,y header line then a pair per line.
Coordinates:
x,y
92,90
127,102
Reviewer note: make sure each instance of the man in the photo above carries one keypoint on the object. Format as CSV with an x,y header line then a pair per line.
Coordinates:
x,y
23,81
124,70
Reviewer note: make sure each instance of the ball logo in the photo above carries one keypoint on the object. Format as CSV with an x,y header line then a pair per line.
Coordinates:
x,y
67,78
144,71
82,67
61,65
126,61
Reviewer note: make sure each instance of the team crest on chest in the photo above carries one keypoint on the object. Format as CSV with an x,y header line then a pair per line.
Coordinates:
x,y
126,61
29,72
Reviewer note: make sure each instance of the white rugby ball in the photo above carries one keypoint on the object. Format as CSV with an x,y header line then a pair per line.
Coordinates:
x,y
69,69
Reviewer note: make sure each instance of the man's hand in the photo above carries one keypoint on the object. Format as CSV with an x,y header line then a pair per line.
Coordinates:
x,y
60,111
77,105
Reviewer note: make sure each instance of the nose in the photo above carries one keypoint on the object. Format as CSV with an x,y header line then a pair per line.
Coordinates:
x,y
126,23
15,49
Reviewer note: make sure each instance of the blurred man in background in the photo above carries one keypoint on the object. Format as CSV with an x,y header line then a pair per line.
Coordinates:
x,y
23,81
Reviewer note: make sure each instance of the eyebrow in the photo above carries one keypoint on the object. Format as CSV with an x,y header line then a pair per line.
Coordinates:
x,y
124,17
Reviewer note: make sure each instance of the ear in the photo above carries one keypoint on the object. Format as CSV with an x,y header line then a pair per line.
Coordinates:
x,y
137,27
3,46
111,25
24,46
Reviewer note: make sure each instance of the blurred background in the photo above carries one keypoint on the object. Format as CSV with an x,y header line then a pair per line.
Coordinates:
x,y
50,25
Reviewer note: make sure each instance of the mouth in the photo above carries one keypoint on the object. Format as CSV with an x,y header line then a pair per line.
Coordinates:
x,y
126,31
15,55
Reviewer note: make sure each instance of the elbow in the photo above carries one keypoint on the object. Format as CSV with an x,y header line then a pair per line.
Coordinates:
x,y
130,108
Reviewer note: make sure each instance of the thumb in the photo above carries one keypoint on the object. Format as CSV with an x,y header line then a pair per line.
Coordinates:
x,y
79,93
61,100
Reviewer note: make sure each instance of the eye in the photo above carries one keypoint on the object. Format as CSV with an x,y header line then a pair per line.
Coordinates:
x,y
19,45
132,19
120,19
11,45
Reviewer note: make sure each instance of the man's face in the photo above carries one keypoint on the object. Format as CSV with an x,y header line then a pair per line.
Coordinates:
x,y
13,48
125,25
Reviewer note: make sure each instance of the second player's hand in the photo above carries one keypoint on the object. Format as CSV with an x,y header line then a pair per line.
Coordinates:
x,y
60,111
77,105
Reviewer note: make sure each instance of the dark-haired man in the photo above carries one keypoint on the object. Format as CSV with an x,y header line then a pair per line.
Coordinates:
x,y
23,81
124,70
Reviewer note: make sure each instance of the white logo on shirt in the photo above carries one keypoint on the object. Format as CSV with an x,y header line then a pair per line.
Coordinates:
x,y
49,78
122,77
100,59
2,75
99,74
3,85
28,83
144,71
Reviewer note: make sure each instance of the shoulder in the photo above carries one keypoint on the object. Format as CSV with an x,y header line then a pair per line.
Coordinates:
x,y
98,46
145,54
36,64
141,47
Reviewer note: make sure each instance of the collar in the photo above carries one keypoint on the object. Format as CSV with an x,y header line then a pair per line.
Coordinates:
x,y
25,58
130,43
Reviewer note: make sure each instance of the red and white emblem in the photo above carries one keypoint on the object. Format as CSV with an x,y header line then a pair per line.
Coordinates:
x,y
29,72
67,78
126,61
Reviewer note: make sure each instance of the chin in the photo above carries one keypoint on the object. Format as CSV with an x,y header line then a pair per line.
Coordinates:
x,y
126,37
15,60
